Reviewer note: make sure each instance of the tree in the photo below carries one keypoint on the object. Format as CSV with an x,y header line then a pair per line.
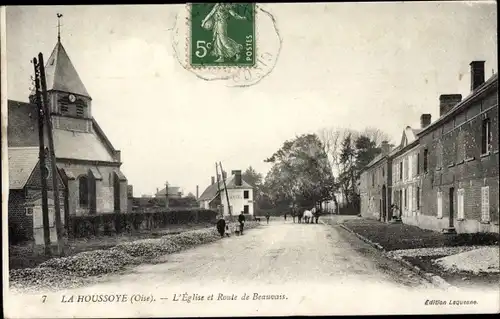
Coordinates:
x,y
301,172
252,177
366,151
347,175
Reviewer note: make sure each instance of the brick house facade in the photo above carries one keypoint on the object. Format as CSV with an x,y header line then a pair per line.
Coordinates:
x,y
445,174
25,191
88,163
374,187
460,167
406,185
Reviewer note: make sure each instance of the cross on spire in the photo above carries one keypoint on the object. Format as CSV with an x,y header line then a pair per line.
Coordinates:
x,y
59,16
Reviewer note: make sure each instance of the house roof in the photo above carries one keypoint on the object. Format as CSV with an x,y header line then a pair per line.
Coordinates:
x,y
212,190
80,145
171,190
408,137
485,87
61,75
22,131
22,161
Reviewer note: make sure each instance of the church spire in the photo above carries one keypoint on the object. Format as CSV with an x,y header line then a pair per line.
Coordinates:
x,y
59,16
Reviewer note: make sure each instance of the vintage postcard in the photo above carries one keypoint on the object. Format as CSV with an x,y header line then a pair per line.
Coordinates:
x,y
246,159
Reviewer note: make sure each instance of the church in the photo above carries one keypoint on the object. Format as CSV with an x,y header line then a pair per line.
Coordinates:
x,y
88,164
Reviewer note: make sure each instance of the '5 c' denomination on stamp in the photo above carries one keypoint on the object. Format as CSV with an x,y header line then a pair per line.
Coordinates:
x,y
222,35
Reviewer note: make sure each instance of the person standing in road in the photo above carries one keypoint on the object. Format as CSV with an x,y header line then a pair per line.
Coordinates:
x,y
221,226
267,217
241,219
285,217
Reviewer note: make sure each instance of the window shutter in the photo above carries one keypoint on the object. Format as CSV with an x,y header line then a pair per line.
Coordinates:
x,y
410,168
440,205
415,194
460,195
485,204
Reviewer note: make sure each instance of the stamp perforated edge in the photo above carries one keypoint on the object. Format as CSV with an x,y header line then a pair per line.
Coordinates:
x,y
222,67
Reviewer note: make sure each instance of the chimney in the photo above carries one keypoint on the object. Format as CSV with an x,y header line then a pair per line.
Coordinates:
x,y
425,120
157,191
212,180
447,102
476,74
237,178
197,191
386,148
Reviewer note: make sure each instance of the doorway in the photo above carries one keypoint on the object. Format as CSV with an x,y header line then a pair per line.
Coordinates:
x,y
452,207
384,203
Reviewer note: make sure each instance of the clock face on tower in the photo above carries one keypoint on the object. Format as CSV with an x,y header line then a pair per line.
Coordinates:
x,y
72,98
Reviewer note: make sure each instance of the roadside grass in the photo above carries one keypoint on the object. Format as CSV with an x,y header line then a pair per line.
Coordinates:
x,y
459,278
84,267
30,255
401,236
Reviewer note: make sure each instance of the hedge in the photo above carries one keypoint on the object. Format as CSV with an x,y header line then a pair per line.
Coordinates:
x,y
116,223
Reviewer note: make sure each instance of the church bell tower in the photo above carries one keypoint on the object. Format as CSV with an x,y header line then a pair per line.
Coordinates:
x,y
69,101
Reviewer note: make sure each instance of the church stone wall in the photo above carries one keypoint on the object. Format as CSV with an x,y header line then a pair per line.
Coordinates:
x,y
105,202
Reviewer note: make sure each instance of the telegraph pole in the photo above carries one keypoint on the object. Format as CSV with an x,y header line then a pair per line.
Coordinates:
x,y
218,186
166,195
45,204
55,174
225,188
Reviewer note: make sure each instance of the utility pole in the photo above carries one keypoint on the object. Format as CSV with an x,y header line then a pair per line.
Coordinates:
x,y
218,187
166,195
225,188
55,174
43,172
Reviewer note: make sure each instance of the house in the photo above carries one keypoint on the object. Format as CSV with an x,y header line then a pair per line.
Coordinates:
x,y
173,192
406,186
25,196
240,193
374,186
88,163
459,167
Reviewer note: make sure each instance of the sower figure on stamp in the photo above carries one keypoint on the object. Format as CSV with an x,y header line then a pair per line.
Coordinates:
x,y
222,45
241,219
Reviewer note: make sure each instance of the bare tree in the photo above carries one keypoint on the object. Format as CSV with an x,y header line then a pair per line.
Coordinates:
x,y
376,135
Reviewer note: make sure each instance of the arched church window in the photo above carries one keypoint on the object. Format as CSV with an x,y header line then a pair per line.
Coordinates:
x,y
83,186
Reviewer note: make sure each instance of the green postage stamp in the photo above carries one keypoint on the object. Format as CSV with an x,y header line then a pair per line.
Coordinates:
x,y
222,35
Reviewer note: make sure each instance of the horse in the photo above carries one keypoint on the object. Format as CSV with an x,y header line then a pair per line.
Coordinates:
x,y
316,213
308,216
300,215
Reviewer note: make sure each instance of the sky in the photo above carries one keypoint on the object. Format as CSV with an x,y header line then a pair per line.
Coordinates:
x,y
341,65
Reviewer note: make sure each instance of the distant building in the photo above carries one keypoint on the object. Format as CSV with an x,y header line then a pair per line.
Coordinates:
x,y
241,198
374,186
173,192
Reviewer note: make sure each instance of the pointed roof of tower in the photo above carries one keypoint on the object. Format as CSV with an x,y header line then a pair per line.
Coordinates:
x,y
61,75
